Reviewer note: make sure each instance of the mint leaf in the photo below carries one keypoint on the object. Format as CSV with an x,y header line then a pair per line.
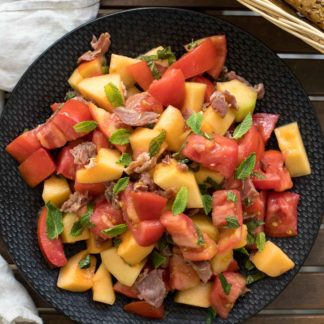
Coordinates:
x,y
115,230
85,126
156,142
260,241
243,127
193,44
200,239
254,277
242,251
207,202
225,284
157,259
258,175
166,54
253,224
120,185
116,242
248,265
120,136
125,159
211,315
54,223
69,95
83,223
85,263
247,201
232,222
180,202
155,72
230,196
113,95
194,122
246,167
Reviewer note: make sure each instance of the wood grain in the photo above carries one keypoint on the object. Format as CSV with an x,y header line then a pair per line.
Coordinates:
x,y
319,109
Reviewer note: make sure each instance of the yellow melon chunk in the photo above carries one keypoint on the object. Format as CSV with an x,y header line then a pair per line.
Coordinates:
x,y
73,278
245,97
95,245
141,138
132,91
214,123
122,271
94,88
292,147
68,222
75,79
118,64
105,168
196,296
154,51
131,251
243,240
56,190
172,121
102,288
204,173
272,260
221,261
194,97
170,176
206,226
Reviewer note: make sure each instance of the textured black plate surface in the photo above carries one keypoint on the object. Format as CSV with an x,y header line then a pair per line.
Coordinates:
x,y
134,32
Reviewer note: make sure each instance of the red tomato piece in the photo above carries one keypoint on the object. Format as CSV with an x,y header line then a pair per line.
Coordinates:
x,y
170,89
210,86
233,266
265,123
99,139
143,309
148,205
37,167
23,146
55,106
93,189
197,61
229,239
72,113
130,292
52,250
219,154
149,103
141,73
224,303
182,274
65,164
50,136
147,232
251,142
224,207
220,43
277,176
105,216
281,216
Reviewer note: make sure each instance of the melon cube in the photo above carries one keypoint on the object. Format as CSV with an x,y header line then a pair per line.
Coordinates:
x,y
56,190
68,221
194,97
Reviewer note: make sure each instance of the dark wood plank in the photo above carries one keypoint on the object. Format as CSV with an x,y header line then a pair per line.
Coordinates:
x,y
223,4
54,318
286,319
319,109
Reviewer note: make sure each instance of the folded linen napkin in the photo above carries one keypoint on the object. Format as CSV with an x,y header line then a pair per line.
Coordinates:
x,y
27,28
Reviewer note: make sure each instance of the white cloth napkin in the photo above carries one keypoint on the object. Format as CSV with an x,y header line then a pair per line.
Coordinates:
x,y
27,28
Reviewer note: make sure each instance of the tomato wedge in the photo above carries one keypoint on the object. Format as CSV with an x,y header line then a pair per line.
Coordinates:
x,y
143,309
147,232
130,292
170,89
99,139
52,250
93,189
141,73
50,136
220,43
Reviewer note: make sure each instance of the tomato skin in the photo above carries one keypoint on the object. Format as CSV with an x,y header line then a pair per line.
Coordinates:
x,y
23,146
37,167
210,86
141,73
148,205
223,207
104,216
249,143
182,274
170,89
281,215
147,232
198,60
220,43
229,239
72,113
143,309
50,136
52,250
56,105
93,189
99,139
277,176
130,292
219,300
265,124
212,153
149,103
257,210
233,266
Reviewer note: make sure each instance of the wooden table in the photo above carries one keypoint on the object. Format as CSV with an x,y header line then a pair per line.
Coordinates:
x,y
303,300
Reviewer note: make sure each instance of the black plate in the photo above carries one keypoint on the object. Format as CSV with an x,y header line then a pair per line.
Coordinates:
x,y
134,32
